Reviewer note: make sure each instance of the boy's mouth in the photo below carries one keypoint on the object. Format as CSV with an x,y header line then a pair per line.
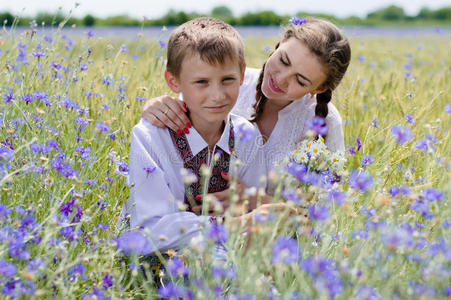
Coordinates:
x,y
216,108
273,85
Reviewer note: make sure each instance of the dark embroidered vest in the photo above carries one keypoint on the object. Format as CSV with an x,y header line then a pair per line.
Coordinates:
x,y
193,163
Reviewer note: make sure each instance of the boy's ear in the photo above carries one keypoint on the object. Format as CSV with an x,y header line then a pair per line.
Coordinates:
x,y
172,82
242,74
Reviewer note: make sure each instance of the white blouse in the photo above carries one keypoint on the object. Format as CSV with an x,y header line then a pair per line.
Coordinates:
x,y
291,125
155,198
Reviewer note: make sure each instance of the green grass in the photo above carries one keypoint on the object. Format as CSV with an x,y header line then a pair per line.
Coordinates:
x,y
372,88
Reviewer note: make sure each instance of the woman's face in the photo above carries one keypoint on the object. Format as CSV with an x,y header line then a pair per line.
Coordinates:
x,y
291,72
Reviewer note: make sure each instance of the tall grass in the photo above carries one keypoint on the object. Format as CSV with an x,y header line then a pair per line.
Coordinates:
x,y
61,200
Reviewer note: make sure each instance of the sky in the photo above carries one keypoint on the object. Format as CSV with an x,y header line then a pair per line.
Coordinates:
x,y
157,8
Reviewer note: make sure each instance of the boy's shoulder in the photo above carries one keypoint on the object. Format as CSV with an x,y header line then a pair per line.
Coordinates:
x,y
240,123
145,129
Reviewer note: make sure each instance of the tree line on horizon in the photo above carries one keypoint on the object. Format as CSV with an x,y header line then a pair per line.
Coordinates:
x,y
391,15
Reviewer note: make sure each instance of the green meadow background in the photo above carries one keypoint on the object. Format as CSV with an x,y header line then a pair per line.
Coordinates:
x,y
58,228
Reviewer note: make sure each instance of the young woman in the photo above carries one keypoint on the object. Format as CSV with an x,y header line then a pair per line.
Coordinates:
x,y
293,86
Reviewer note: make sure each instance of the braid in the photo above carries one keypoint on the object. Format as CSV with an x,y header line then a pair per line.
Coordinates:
x,y
259,97
322,100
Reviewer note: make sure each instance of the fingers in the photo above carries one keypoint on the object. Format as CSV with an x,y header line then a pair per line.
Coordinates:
x,y
176,112
153,119
166,120
222,195
166,111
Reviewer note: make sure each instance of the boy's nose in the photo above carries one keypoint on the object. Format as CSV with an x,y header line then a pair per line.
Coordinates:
x,y
218,94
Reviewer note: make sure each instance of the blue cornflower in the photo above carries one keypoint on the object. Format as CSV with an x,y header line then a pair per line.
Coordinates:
x,y
102,127
291,195
399,237
407,67
6,154
297,21
358,143
244,133
90,33
107,80
367,160
325,275
176,267
448,108
361,58
133,242
77,269
28,98
285,250
446,223
162,44
68,103
409,119
91,181
337,197
422,145
122,168
218,233
149,170
21,57
107,281
431,194
394,190
48,39
39,54
360,180
401,134
405,190
366,292
139,98
9,96
420,206
318,125
170,290
7,269
318,212
124,48
67,207
374,123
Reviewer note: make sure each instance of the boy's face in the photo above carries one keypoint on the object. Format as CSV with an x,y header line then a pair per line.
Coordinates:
x,y
209,91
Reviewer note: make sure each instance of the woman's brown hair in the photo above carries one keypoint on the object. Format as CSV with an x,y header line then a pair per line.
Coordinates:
x,y
332,49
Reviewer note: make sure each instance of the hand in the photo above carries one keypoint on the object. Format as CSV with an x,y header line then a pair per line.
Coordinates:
x,y
166,111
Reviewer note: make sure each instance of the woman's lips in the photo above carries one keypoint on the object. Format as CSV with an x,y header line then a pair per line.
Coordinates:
x,y
274,86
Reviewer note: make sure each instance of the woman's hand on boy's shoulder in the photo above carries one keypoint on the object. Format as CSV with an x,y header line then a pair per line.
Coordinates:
x,y
166,111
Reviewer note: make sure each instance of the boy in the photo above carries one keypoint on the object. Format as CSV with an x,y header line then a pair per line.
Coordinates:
x,y
206,65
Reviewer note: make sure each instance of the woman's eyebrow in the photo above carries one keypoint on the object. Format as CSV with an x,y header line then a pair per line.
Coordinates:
x,y
298,74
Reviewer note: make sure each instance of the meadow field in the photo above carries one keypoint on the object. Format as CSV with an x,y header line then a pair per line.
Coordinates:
x,y
68,105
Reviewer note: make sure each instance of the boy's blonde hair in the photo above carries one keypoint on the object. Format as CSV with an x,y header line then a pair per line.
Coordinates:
x,y
214,41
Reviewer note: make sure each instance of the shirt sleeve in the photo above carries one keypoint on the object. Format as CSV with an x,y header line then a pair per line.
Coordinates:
x,y
152,207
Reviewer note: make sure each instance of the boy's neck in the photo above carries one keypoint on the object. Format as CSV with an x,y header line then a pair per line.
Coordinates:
x,y
210,132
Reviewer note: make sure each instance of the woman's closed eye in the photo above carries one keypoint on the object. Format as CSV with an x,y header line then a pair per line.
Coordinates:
x,y
284,62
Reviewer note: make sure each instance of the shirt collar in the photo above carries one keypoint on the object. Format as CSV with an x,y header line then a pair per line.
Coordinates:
x,y
197,143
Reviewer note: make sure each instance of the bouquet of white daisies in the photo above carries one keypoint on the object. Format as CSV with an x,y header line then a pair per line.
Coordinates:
x,y
312,163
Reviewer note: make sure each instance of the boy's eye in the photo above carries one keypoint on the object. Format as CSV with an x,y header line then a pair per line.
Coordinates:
x,y
228,79
202,81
